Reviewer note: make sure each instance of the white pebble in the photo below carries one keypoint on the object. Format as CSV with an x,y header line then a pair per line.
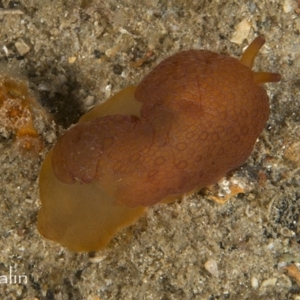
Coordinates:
x,y
282,264
268,282
96,259
22,47
254,283
89,100
270,246
241,32
212,267
249,213
108,90
287,6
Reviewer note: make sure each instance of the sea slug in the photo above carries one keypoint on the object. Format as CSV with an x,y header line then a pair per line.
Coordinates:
x,y
195,117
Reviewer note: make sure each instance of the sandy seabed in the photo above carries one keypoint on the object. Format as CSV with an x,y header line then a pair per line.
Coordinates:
x,y
75,54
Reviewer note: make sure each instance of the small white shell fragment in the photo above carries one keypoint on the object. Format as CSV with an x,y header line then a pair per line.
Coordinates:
x,y
282,264
8,11
108,91
89,100
212,267
44,87
241,32
22,47
254,283
72,59
287,232
249,213
97,259
268,282
5,50
270,246
288,6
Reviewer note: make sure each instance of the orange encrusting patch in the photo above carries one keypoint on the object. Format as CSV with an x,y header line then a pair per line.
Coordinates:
x,y
16,114
195,117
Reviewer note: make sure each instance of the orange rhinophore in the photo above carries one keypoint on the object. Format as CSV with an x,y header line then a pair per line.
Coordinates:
x,y
195,117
